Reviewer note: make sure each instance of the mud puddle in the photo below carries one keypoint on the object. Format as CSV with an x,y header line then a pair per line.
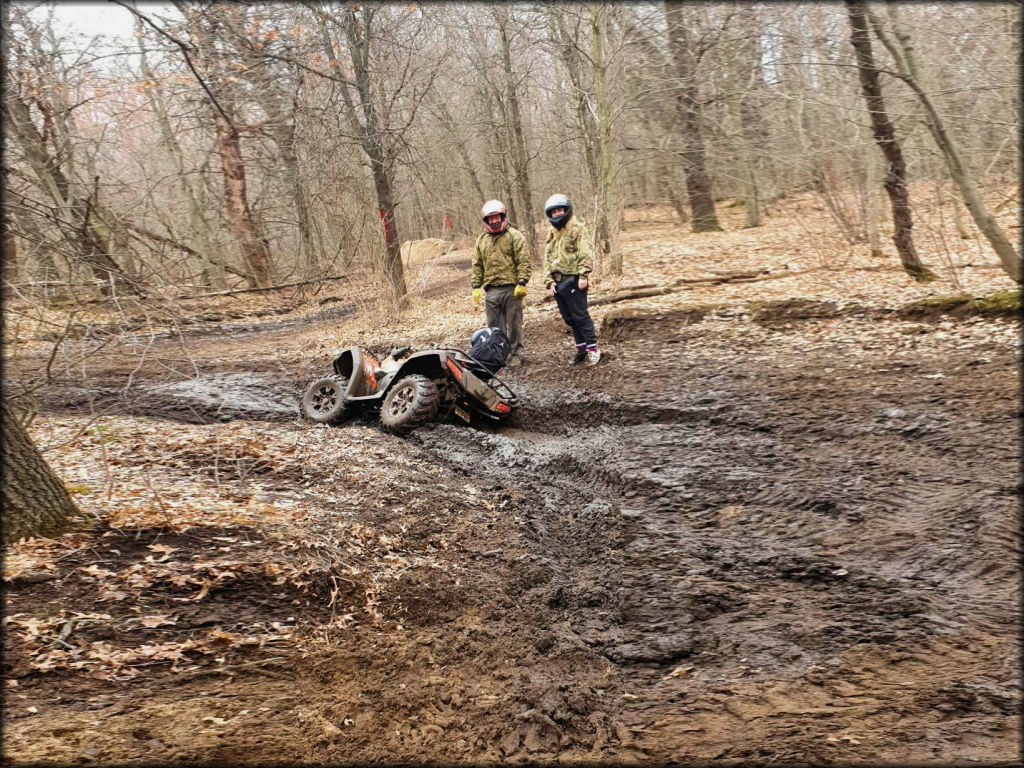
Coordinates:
x,y
223,397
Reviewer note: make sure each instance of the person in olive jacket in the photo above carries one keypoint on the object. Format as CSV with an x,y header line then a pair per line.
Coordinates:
x,y
567,264
501,270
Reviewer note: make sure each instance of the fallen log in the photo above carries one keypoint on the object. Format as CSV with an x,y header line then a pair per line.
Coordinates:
x,y
617,297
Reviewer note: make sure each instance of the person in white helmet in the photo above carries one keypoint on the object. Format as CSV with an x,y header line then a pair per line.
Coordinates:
x,y
501,270
567,264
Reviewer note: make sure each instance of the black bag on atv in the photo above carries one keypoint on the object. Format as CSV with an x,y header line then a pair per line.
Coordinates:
x,y
489,353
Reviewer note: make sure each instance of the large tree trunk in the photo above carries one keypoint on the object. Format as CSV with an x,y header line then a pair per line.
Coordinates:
x,y
36,503
698,182
902,52
253,246
885,136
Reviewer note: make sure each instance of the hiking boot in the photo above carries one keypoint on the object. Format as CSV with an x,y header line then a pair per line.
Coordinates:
x,y
581,355
593,357
515,361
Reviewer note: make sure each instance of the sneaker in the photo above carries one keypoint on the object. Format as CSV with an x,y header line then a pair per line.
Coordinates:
x,y
593,357
581,355
515,361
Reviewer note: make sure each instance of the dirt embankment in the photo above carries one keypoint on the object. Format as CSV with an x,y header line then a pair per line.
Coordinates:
x,y
747,536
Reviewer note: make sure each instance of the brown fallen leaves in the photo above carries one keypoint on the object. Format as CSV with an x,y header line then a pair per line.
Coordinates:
x,y
50,648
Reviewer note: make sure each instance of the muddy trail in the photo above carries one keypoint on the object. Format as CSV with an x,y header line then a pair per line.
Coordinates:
x,y
716,552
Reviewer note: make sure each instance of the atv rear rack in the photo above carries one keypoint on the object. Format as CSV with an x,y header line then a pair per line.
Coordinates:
x,y
501,388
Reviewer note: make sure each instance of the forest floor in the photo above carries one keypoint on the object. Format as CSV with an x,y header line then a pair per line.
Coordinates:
x,y
778,523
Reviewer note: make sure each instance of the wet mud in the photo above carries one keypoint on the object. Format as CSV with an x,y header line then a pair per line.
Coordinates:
x,y
718,553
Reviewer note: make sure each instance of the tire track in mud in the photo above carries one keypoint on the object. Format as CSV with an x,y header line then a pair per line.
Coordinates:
x,y
733,541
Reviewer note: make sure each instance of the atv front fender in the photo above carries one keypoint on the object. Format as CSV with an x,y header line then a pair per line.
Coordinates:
x,y
360,368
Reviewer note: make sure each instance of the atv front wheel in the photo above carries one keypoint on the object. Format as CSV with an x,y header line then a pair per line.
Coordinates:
x,y
324,401
411,402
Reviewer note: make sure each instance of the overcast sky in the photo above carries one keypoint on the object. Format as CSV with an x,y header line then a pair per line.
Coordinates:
x,y
98,17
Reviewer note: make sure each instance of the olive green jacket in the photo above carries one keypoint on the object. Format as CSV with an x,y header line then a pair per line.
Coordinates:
x,y
567,251
501,259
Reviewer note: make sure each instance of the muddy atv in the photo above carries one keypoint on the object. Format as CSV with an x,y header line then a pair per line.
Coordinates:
x,y
408,389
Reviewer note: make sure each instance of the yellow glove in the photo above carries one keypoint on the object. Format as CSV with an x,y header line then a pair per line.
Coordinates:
x,y
478,296
519,292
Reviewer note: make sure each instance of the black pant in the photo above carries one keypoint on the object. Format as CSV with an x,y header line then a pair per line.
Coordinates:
x,y
572,303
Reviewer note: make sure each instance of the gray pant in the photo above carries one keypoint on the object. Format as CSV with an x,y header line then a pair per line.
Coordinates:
x,y
505,312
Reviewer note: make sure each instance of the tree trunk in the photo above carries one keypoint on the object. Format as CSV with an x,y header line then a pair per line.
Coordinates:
x,y
500,176
871,205
751,129
10,242
205,24
359,37
607,207
885,136
253,246
675,196
698,182
595,137
309,251
36,503
520,156
10,252
902,53
568,49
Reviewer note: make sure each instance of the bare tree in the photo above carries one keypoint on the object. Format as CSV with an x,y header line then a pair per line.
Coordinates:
x,y
376,113
582,42
200,227
686,55
885,137
208,63
36,115
900,46
514,121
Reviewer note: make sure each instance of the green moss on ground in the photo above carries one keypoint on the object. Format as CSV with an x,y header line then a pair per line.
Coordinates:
x,y
998,304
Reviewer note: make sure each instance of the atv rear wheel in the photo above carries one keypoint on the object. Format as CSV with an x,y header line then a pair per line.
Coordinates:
x,y
411,402
324,401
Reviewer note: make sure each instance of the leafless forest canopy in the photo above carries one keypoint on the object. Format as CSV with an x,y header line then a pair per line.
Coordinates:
x,y
236,145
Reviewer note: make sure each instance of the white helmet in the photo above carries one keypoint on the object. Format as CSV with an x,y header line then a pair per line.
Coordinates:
x,y
491,208
558,201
